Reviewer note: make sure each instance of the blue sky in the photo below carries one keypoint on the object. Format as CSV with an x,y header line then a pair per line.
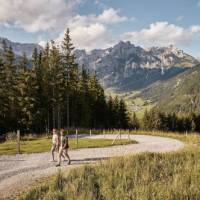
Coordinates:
x,y
102,23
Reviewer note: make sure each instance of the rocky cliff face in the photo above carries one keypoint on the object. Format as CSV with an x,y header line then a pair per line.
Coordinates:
x,y
126,67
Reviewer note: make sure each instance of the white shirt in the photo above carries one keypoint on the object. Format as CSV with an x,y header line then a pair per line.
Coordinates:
x,y
55,139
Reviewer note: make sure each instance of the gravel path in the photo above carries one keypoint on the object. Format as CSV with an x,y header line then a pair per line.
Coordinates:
x,y
20,171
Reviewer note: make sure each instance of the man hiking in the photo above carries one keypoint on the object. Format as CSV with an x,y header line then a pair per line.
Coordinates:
x,y
55,143
63,148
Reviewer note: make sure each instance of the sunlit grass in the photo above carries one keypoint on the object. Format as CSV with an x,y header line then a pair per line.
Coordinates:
x,y
43,144
189,138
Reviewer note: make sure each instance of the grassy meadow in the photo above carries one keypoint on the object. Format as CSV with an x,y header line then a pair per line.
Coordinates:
x,y
43,144
145,176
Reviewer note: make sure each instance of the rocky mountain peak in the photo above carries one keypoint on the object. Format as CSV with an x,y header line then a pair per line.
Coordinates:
x,y
119,65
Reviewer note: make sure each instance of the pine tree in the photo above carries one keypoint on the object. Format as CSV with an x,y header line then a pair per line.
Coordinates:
x,y
145,120
110,113
10,74
84,102
23,63
97,102
57,85
3,100
46,86
123,117
22,86
116,112
68,60
134,123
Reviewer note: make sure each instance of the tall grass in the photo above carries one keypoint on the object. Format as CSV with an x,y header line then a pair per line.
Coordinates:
x,y
146,176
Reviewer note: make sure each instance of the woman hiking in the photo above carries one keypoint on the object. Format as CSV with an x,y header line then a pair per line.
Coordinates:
x,y
63,148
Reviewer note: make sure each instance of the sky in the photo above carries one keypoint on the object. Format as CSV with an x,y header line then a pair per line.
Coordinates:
x,y
103,23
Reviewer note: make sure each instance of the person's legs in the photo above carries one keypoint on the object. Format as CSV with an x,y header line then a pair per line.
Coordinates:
x,y
59,156
53,148
65,152
63,156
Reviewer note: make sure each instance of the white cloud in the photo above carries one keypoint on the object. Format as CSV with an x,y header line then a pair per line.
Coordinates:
x,y
52,16
162,34
91,36
36,15
108,16
111,16
195,29
93,31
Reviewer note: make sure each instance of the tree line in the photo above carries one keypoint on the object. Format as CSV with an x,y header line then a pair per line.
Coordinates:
x,y
54,92
162,121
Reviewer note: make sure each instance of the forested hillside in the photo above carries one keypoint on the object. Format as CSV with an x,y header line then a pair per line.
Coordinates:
x,y
180,94
55,92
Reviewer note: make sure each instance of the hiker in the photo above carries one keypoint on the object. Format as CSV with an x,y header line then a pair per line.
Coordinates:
x,y
63,148
55,143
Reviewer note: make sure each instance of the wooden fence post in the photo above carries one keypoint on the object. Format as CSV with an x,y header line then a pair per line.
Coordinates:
x,y
18,141
90,132
76,138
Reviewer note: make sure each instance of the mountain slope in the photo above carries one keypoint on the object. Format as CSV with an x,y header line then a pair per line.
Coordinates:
x,y
126,67
20,48
179,94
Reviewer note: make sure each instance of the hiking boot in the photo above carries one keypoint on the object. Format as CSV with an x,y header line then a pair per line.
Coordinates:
x,y
58,165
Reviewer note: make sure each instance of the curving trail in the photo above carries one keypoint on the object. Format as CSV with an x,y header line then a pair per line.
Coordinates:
x,y
20,171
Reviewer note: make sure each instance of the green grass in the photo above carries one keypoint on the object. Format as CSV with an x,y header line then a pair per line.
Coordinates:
x,y
190,138
145,176
43,144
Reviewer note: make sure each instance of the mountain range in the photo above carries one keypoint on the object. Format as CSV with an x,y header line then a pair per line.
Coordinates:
x,y
126,67
164,77
20,48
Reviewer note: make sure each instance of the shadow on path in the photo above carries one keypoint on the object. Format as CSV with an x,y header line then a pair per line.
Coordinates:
x,y
89,159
